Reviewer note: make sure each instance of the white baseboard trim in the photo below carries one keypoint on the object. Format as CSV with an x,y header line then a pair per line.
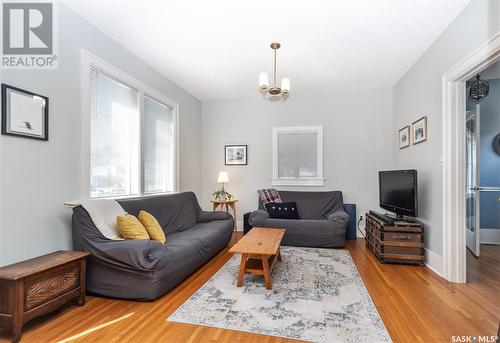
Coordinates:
x,y
434,262
239,225
490,236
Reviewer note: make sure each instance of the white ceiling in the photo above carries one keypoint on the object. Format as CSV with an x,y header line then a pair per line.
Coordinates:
x,y
216,49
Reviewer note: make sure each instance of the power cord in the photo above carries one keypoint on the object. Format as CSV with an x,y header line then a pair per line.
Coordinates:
x,y
357,226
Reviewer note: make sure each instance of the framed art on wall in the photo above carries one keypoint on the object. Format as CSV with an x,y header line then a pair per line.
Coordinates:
x,y
24,113
419,130
235,155
404,137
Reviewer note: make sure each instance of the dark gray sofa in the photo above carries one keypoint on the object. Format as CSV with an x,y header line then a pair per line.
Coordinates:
x,y
144,269
323,220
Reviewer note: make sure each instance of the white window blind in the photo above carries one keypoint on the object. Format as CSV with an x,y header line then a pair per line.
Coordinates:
x,y
114,138
158,147
132,139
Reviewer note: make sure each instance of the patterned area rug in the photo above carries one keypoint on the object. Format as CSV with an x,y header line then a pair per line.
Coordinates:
x,y
317,296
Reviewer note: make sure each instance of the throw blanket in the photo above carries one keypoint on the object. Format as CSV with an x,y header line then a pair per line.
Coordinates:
x,y
103,212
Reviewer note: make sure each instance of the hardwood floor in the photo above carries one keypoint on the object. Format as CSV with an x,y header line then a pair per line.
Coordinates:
x,y
416,305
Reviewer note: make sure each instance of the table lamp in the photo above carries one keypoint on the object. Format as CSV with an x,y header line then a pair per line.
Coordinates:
x,y
221,194
223,177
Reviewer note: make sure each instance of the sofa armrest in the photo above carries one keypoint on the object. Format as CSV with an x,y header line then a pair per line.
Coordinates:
x,y
258,217
208,216
339,216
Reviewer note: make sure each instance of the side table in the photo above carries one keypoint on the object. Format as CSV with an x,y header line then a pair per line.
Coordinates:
x,y
228,204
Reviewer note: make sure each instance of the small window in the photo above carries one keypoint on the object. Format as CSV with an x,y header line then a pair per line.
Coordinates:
x,y
298,156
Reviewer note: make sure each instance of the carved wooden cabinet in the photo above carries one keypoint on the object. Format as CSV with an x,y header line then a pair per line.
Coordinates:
x,y
40,285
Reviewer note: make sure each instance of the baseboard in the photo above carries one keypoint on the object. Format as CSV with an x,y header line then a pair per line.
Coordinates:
x,y
434,262
239,225
490,236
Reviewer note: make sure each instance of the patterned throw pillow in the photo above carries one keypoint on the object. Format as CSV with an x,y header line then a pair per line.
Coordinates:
x,y
268,195
282,210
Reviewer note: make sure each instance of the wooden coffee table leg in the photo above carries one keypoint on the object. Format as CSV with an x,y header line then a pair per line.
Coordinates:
x,y
243,265
265,267
278,255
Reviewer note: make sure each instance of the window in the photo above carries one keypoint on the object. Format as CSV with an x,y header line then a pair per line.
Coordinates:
x,y
158,147
298,156
131,135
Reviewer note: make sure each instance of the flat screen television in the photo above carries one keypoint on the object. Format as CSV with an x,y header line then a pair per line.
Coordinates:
x,y
398,192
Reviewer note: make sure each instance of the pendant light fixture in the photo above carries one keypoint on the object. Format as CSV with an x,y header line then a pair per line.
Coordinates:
x,y
479,89
273,91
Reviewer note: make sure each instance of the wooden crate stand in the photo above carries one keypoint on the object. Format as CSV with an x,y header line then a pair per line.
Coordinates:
x,y
397,242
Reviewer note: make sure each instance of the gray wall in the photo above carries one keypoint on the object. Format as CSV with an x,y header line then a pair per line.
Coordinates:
x,y
419,93
358,140
37,177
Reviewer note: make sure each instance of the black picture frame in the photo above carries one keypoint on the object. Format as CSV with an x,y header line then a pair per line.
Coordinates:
x,y
6,113
244,159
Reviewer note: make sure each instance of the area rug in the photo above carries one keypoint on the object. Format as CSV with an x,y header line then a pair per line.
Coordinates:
x,y
317,295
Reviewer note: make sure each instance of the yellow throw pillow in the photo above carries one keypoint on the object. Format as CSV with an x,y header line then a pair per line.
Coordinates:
x,y
131,228
152,226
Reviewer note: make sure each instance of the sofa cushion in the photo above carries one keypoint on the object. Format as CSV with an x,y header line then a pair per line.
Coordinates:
x,y
306,232
197,241
282,210
131,228
174,212
152,226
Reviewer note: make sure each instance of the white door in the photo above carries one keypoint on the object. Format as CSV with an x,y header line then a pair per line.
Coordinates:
x,y
472,194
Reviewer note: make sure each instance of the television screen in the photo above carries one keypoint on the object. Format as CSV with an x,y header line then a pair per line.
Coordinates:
x,y
398,191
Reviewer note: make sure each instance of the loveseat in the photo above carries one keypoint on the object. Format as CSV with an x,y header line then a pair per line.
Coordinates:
x,y
323,221
145,269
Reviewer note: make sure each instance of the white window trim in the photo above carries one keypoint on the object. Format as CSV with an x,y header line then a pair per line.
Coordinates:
x,y
311,182
89,62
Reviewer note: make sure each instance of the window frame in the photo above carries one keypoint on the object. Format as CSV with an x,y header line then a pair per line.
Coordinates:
x,y
90,62
319,180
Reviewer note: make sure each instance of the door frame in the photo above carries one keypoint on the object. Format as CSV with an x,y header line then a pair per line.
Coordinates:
x,y
453,160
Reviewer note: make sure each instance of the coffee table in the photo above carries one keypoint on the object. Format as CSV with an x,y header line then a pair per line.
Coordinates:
x,y
259,249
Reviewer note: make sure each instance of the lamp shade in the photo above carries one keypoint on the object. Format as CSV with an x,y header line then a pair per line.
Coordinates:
x,y
223,177
263,80
285,84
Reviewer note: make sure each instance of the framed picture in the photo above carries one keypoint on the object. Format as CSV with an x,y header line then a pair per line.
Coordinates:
x,y
235,155
419,130
24,114
404,137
